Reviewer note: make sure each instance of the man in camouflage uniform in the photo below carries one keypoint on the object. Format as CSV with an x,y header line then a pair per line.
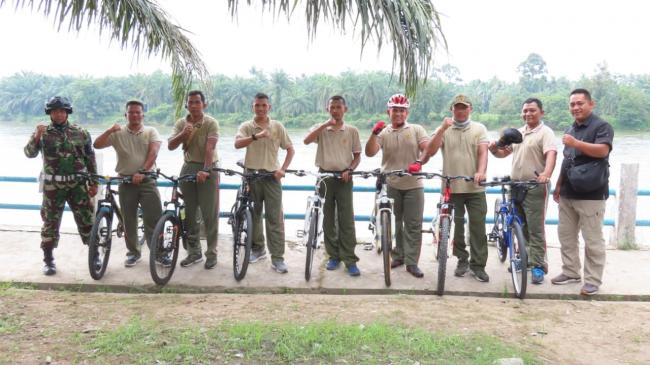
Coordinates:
x,y
66,149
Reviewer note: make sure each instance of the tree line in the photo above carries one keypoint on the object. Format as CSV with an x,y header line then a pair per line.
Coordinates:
x,y
299,102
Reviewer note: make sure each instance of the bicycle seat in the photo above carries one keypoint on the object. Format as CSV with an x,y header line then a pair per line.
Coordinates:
x,y
240,163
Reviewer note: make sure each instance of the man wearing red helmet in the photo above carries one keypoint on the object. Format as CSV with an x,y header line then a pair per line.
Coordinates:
x,y
464,145
403,147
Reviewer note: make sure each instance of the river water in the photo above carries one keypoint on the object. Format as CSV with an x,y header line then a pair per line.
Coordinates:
x,y
628,148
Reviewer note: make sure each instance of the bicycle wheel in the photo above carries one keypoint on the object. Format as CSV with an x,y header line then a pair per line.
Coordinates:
x,y
518,260
386,244
497,229
242,243
141,237
443,245
164,248
99,244
311,242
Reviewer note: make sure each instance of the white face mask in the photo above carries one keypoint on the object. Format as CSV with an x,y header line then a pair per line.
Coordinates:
x,y
460,125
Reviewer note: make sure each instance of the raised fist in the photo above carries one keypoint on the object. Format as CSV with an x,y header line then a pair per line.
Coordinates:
x,y
415,167
379,126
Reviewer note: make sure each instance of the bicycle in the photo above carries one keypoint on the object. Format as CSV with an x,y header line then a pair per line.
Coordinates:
x,y
101,233
381,221
241,219
313,227
170,229
507,231
442,224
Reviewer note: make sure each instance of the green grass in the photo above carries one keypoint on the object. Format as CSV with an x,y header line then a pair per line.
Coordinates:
x,y
143,342
9,324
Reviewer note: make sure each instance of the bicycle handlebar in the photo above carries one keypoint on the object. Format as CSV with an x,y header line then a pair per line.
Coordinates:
x,y
510,182
113,179
431,175
255,174
178,179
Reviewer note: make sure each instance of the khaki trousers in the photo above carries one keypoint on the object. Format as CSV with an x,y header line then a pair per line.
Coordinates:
x,y
586,217
408,209
146,194
206,197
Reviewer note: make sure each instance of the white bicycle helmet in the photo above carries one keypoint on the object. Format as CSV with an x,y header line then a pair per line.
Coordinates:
x,y
398,101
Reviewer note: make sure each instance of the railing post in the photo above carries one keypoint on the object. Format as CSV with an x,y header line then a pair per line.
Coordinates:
x,y
626,207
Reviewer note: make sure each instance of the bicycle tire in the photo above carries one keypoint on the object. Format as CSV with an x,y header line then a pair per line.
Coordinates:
x,y
311,243
443,245
141,235
518,260
242,243
386,244
499,227
164,243
99,244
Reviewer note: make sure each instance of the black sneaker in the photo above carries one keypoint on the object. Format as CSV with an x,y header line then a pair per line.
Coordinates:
x,y
49,268
164,261
480,275
210,263
131,260
191,259
257,255
461,268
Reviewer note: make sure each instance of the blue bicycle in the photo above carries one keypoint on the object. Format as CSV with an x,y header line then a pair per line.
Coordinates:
x,y
507,231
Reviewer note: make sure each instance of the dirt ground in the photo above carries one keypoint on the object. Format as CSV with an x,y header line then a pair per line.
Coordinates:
x,y
558,332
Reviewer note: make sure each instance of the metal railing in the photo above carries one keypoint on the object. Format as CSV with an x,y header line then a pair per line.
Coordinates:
x,y
310,188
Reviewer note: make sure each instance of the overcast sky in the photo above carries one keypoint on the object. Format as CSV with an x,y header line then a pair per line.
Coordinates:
x,y
486,39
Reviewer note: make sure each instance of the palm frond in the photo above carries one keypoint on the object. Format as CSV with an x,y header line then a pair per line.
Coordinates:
x,y
139,24
412,27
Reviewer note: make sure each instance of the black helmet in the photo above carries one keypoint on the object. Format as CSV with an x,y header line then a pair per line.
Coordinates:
x,y
58,102
509,136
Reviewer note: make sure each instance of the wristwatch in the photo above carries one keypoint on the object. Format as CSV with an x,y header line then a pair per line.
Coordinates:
x,y
254,137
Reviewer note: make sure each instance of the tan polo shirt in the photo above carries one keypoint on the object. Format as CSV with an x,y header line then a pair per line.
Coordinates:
x,y
194,147
460,155
336,147
401,147
263,153
132,147
528,156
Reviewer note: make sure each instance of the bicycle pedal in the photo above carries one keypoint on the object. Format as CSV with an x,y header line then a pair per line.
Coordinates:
x,y
368,246
300,233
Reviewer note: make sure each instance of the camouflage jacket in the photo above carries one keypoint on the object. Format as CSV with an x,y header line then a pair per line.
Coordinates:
x,y
66,149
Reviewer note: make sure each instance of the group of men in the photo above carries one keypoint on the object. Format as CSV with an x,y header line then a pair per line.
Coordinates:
x,y
464,144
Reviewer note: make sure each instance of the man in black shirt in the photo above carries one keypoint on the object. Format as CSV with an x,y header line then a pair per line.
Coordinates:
x,y
582,207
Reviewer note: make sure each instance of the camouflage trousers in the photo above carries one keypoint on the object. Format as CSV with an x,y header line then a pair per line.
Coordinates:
x,y
54,199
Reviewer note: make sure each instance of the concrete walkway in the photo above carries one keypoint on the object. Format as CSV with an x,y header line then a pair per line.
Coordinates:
x,y
627,273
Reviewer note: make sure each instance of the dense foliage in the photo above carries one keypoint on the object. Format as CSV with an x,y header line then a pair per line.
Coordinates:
x,y
300,102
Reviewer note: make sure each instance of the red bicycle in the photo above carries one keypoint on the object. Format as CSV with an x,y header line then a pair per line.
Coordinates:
x,y
442,224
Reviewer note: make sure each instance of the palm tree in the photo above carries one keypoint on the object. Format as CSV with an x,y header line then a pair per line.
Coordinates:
x,y
413,28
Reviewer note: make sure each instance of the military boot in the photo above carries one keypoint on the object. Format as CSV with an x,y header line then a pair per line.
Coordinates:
x,y
50,267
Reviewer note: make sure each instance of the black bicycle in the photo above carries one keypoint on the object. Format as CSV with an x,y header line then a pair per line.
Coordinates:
x,y
241,219
170,229
101,233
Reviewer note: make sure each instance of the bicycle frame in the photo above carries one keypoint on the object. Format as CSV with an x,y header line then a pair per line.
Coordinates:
x,y
508,208
316,202
176,202
445,209
383,203
109,203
